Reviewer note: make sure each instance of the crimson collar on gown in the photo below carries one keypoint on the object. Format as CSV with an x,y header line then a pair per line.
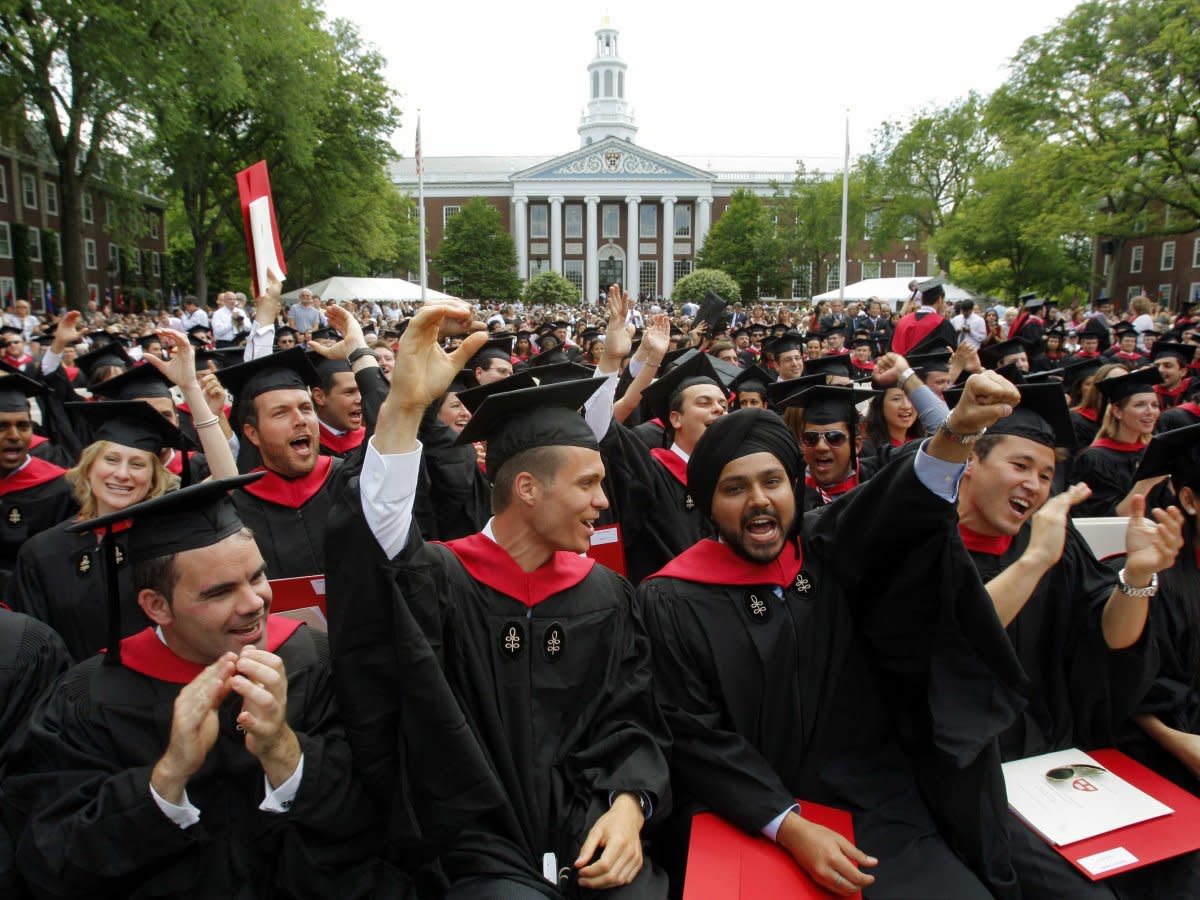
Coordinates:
x,y
1191,407
1120,447
673,462
985,543
1088,413
37,472
712,562
146,653
341,443
488,562
828,493
292,493
1176,391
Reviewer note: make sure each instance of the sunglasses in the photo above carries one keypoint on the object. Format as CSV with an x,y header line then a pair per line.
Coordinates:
x,y
834,439
1066,773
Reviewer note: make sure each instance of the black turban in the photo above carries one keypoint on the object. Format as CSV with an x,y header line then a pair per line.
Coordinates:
x,y
731,437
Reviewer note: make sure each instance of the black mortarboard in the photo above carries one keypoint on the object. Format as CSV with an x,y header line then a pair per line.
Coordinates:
x,y
15,391
137,383
197,330
861,342
281,330
558,372
131,423
754,378
191,517
1032,301
824,403
12,331
44,339
780,391
1175,453
830,365
1095,328
1042,415
1123,328
224,357
326,334
550,357
515,421
110,354
931,286
726,372
495,348
1122,386
657,397
561,323
711,310
1185,353
993,356
286,370
1075,370
938,361
147,339
327,368
787,341
931,343
474,397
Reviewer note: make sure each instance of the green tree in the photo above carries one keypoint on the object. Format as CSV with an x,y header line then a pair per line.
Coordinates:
x,y
810,221
743,244
22,263
694,288
79,70
476,254
551,289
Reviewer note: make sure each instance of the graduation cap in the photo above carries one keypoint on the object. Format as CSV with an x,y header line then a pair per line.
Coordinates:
x,y
938,361
44,340
931,286
198,331
326,334
711,310
177,521
788,341
1042,415
1032,301
1124,386
1046,375
132,423
1076,370
544,330
11,331
550,357
15,391
494,348
695,370
474,397
223,357
147,339
137,383
561,371
992,356
1121,329
287,370
754,379
327,368
110,354
861,342
931,343
838,364
284,330
1185,353
515,421
1175,453
824,403
779,391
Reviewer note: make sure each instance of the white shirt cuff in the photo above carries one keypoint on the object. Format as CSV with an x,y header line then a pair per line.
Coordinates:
x,y
598,409
279,800
388,485
50,362
771,829
185,815
939,476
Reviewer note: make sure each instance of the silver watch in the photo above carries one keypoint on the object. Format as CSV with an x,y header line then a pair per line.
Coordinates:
x,y
955,438
1148,591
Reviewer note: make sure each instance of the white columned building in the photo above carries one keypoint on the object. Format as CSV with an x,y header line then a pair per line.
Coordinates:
x,y
591,243
632,270
520,234
556,234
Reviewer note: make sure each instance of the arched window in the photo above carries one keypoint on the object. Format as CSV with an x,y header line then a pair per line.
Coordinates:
x,y
595,85
621,85
608,85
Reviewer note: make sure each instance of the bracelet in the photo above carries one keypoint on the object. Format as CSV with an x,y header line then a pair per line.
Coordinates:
x,y
360,353
954,437
213,421
1148,591
904,376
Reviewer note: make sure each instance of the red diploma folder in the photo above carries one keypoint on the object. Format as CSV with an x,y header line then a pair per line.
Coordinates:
x,y
253,185
608,548
725,863
301,598
1146,842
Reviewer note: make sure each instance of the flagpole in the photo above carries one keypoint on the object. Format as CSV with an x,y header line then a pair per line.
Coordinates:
x,y
845,211
421,213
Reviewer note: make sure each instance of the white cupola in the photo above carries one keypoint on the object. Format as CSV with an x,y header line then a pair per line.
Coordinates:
x,y
608,114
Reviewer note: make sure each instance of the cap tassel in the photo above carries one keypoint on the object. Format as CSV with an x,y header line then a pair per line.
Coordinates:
x,y
108,545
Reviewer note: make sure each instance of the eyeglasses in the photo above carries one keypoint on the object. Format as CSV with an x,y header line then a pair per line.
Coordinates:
x,y
834,439
1066,773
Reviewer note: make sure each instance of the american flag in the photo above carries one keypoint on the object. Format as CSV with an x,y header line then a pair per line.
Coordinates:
x,y
418,153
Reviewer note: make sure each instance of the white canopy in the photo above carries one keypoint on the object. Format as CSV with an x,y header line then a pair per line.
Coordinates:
x,y
342,288
889,290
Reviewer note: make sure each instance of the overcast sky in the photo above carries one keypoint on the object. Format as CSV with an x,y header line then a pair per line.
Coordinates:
x,y
740,78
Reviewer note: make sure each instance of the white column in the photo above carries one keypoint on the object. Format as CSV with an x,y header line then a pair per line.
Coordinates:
x,y
631,251
521,235
668,247
703,222
556,245
592,238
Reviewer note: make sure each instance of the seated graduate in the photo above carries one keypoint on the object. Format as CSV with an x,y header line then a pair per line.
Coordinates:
x,y
1078,631
543,654
202,756
788,669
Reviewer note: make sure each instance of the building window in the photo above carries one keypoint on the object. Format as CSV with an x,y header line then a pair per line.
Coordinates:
x,y
29,189
573,271
871,221
833,279
114,258
539,221
6,290
1135,258
58,248
683,268
135,260
94,292
608,83
1107,263
1196,253
1164,294
89,213
871,270
35,245
5,241
647,221
683,221
4,187
611,225
595,85
89,253
1195,291
906,270
802,281
38,290
1167,260
154,225
537,266
1134,290
52,198
155,264
573,214
448,212
621,85
648,278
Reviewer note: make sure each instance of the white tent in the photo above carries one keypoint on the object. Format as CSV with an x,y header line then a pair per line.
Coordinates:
x,y
889,290
383,289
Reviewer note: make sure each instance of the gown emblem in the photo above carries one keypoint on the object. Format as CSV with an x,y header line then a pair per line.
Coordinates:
x,y
803,585
511,639
14,516
554,643
85,564
689,503
757,608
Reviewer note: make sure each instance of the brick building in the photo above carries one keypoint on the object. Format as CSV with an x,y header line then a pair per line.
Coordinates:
x,y
613,211
1165,268
29,211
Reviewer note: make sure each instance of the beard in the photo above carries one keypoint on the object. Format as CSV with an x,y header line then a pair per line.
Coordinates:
x,y
757,553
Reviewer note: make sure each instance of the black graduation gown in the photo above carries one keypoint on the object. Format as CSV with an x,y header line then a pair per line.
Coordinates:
x,y
32,500
1181,416
1109,473
458,492
813,696
60,579
552,704
1085,430
657,515
340,445
289,518
78,790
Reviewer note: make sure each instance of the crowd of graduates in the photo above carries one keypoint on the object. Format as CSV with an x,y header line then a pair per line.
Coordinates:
x,y
585,572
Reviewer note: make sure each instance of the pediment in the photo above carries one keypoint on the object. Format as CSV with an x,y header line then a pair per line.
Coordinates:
x,y
616,159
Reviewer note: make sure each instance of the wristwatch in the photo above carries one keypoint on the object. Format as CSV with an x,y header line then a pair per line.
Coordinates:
x,y
358,354
955,438
1148,591
904,376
